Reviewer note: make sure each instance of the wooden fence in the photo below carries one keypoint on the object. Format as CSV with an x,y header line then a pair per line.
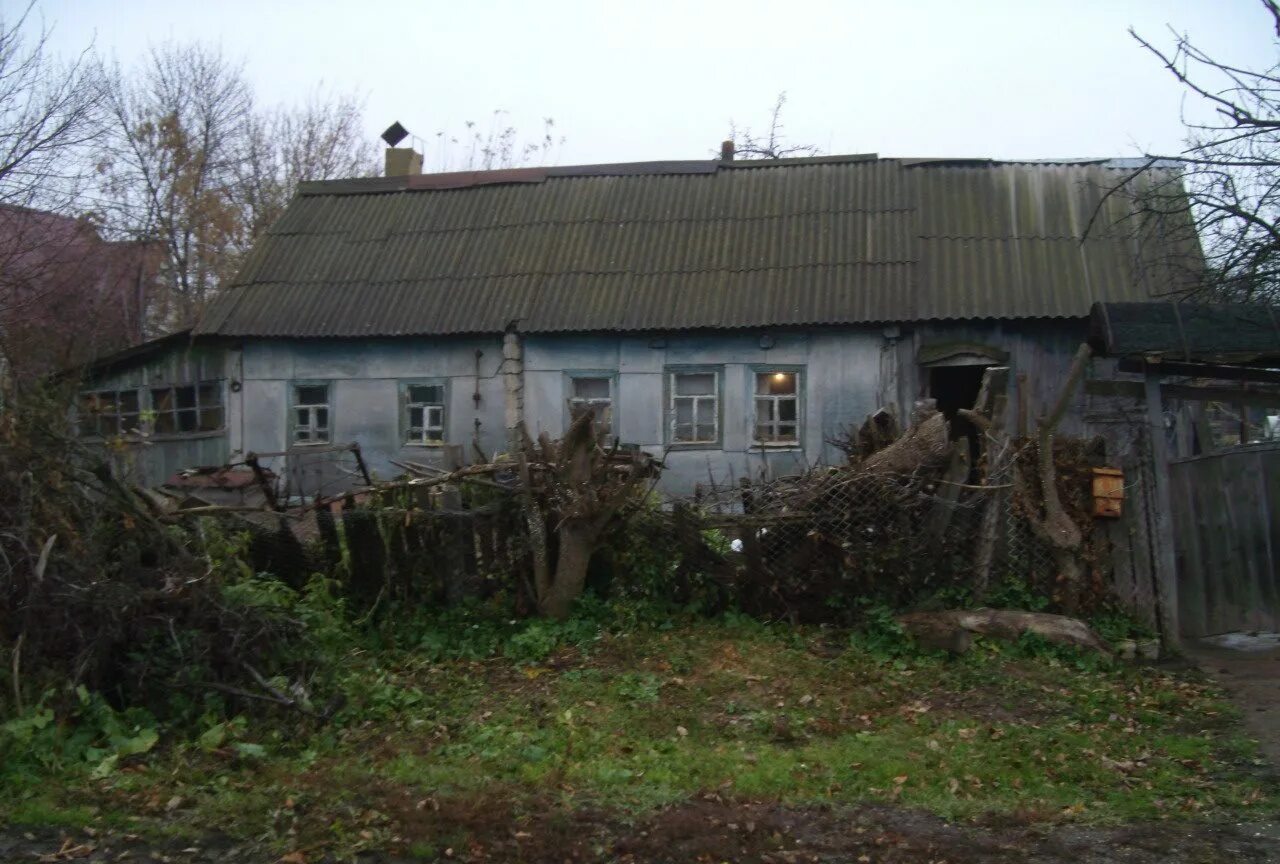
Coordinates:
x,y
1226,528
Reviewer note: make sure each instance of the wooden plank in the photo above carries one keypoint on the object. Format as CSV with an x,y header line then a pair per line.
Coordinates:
x,y
1269,479
1189,392
1144,572
1202,370
1191,599
1162,533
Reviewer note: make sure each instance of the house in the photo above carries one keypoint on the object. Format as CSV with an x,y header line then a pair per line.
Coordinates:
x,y
734,315
66,294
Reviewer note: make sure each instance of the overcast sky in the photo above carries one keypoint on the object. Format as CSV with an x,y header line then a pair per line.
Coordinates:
x,y
657,80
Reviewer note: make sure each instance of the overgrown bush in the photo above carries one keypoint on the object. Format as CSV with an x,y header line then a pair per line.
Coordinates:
x,y
100,594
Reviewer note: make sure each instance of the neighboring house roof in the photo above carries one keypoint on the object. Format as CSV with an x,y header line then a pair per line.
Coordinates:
x,y
66,294
707,244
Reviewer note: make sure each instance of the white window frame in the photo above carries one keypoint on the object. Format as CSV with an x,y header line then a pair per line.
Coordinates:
x,y
606,428
441,409
695,401
311,408
776,401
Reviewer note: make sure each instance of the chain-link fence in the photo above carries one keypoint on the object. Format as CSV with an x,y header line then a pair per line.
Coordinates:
x,y
805,546
823,538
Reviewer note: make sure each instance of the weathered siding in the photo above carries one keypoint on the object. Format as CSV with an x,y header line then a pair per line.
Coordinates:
x,y
1226,510
846,374
152,460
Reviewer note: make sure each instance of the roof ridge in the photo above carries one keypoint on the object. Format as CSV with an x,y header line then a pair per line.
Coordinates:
x,y
542,274
650,220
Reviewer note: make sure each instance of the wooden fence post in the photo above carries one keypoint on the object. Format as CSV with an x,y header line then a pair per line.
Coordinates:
x,y
1165,558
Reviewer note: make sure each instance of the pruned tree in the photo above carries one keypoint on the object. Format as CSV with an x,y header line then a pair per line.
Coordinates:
x,y
772,144
1225,191
579,490
1050,520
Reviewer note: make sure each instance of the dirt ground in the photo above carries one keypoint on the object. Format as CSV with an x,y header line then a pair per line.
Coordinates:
x,y
715,831
1252,677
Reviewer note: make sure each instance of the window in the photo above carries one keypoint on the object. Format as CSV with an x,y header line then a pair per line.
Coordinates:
x,y
187,408
595,393
424,414
777,408
694,407
104,413
311,414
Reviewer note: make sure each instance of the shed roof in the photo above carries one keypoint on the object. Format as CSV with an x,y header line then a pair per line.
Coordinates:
x,y
1193,332
705,244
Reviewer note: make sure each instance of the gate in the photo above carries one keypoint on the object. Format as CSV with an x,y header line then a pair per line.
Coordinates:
x,y
1226,525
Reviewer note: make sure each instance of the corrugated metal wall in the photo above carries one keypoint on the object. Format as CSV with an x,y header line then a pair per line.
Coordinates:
x,y
1226,511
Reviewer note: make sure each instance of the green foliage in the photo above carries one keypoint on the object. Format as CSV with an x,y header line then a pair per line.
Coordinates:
x,y
1114,624
879,632
91,735
1014,593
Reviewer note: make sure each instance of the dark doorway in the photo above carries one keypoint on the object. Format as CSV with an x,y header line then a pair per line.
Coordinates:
x,y
954,387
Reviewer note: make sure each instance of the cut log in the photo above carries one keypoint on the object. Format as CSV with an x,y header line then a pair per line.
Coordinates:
x,y
926,446
943,628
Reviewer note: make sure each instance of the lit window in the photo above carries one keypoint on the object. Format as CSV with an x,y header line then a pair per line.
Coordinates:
x,y
311,414
593,393
777,407
105,413
424,411
694,407
187,408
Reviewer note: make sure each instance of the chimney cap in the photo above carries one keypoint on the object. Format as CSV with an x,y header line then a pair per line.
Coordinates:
x,y
394,134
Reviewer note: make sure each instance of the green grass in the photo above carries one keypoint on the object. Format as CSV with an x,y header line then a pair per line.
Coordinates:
x,y
624,722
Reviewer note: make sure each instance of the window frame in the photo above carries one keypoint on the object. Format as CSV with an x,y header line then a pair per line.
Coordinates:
x,y
328,404
611,375
117,415
669,374
771,369
405,407
199,407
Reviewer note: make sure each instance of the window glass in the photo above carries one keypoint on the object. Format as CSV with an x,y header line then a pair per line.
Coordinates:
x,y
594,393
187,408
777,408
424,413
311,413
695,384
105,413
312,394
694,407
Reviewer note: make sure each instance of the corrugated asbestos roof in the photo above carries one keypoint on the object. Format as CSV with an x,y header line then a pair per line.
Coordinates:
x,y
673,245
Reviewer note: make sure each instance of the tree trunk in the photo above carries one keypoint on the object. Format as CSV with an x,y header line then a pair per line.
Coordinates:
x,y
577,541
934,628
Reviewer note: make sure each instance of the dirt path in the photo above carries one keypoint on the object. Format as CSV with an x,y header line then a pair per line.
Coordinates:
x,y
1251,675
721,831
1248,668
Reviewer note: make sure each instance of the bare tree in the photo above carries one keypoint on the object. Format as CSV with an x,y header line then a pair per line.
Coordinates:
x,y
322,139
1226,195
181,122
51,114
773,143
